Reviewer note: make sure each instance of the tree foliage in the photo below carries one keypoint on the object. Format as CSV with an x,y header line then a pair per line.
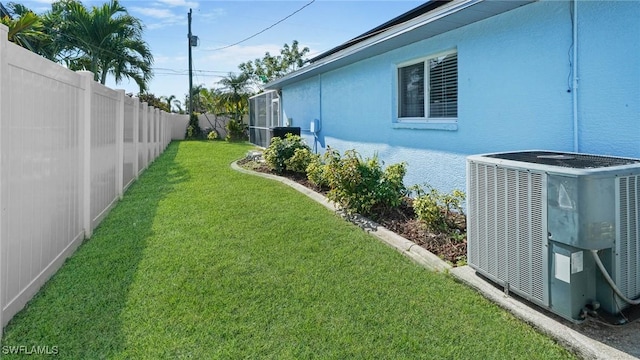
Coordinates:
x,y
156,102
172,103
105,39
26,29
261,71
235,95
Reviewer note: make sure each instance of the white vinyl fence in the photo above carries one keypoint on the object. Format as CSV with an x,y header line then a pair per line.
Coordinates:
x,y
69,148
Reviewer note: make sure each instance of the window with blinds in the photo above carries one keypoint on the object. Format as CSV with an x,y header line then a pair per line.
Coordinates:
x,y
411,90
429,87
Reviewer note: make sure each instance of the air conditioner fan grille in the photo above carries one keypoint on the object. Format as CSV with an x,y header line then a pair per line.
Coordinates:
x,y
567,160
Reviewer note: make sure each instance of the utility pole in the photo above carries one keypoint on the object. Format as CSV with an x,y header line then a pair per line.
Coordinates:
x,y
190,69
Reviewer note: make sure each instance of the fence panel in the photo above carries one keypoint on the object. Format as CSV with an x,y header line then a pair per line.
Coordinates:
x,y
69,148
217,123
150,124
143,126
40,179
156,134
104,161
178,126
152,135
130,154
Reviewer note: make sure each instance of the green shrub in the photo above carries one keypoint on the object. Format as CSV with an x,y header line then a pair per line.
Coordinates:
x,y
212,135
439,211
362,186
315,172
236,131
193,130
300,160
280,150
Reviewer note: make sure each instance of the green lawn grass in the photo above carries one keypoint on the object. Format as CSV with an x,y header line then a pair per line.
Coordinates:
x,y
199,261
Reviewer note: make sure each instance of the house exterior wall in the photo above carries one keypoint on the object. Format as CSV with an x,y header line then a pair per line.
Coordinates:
x,y
514,86
609,71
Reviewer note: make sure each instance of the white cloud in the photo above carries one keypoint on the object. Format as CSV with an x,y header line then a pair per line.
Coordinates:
x,y
154,12
163,24
213,14
184,3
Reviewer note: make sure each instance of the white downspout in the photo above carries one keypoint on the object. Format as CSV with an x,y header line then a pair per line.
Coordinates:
x,y
576,143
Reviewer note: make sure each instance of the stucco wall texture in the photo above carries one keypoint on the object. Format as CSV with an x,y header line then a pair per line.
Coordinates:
x,y
514,92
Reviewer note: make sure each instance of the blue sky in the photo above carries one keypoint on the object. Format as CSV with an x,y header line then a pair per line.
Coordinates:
x,y
321,25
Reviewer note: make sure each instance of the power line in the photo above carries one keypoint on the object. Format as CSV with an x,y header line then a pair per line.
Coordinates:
x,y
180,71
265,29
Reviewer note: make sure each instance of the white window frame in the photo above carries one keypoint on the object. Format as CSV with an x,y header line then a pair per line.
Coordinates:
x,y
426,118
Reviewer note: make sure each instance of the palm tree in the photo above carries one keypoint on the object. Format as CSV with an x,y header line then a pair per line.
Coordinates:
x,y
105,40
196,102
26,29
178,106
212,101
235,97
236,94
169,100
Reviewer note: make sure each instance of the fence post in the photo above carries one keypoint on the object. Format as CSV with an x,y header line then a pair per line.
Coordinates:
x,y
145,133
136,136
163,118
152,134
120,144
167,130
164,131
4,108
86,95
152,141
157,134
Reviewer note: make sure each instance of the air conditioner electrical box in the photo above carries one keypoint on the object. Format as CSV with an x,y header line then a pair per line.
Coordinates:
x,y
314,126
535,219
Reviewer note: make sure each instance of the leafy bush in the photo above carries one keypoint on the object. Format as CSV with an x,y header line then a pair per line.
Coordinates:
x,y
438,211
212,135
280,150
300,160
236,131
362,186
193,130
316,172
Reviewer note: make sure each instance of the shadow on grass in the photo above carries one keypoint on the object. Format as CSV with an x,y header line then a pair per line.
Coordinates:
x,y
77,312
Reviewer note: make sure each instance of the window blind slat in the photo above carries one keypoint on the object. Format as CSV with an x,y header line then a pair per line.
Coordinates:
x,y
443,87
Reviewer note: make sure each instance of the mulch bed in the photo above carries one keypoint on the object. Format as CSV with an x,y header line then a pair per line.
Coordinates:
x,y
402,221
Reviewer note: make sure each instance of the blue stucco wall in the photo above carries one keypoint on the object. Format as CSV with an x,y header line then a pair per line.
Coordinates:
x,y
609,72
514,79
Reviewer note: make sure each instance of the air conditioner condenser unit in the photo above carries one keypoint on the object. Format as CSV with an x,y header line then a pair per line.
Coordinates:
x,y
561,230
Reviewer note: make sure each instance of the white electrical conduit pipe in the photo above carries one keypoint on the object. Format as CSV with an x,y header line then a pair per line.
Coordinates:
x,y
574,90
613,285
